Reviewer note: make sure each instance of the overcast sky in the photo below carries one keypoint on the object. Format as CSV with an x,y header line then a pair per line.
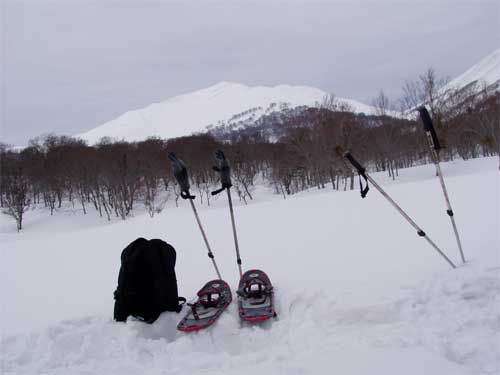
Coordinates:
x,y
69,66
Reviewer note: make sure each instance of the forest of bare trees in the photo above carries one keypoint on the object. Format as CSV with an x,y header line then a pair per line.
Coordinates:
x,y
113,177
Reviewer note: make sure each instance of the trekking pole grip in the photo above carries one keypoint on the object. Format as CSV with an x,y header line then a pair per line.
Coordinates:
x,y
429,127
181,175
361,170
224,171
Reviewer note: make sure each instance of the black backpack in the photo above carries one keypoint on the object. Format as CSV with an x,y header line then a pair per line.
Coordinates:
x,y
147,285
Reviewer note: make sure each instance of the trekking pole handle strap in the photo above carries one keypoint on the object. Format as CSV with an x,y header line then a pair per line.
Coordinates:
x,y
215,192
187,195
361,170
429,127
362,173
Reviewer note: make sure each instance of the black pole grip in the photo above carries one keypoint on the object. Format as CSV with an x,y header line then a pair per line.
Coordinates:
x,y
361,170
224,170
429,127
181,175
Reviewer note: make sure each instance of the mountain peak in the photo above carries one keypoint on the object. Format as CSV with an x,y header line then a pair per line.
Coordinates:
x,y
193,112
224,85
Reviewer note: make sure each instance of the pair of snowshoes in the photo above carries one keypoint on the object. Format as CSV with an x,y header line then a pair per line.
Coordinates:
x,y
255,302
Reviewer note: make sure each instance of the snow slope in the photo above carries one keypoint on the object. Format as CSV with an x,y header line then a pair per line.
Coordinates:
x,y
193,112
485,72
358,292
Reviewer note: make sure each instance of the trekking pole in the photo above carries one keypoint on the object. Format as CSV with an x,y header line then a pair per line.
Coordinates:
x,y
225,176
210,254
362,173
180,173
435,147
235,236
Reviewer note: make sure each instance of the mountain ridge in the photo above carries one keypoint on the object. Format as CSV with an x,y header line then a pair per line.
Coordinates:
x,y
196,111
485,72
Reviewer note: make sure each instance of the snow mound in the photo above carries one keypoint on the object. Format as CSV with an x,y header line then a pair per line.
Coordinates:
x,y
193,112
445,327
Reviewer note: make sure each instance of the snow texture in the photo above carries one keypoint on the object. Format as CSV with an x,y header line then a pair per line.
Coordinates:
x,y
193,112
486,72
357,291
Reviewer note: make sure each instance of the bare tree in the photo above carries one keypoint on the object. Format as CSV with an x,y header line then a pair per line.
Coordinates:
x,y
15,187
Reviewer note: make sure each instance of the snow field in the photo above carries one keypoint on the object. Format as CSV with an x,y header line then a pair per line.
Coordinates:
x,y
357,291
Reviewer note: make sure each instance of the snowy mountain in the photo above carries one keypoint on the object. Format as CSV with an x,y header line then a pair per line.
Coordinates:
x,y
230,105
486,73
223,103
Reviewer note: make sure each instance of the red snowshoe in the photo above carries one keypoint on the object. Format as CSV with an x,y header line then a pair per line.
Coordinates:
x,y
255,297
213,299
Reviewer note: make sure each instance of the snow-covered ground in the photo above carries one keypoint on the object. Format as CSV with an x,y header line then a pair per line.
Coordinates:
x,y
358,292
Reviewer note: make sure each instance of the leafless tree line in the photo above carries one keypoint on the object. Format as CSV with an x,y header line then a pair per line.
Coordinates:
x,y
114,177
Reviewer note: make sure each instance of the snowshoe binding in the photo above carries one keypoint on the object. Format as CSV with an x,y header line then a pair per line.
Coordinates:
x,y
255,297
212,300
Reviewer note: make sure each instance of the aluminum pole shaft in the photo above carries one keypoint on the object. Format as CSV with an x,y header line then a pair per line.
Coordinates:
x,y
210,254
449,210
235,236
413,224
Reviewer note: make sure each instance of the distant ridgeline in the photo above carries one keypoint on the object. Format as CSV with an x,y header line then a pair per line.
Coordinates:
x,y
256,122
272,124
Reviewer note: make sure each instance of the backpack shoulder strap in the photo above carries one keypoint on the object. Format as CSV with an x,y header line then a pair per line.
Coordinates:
x,y
168,266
